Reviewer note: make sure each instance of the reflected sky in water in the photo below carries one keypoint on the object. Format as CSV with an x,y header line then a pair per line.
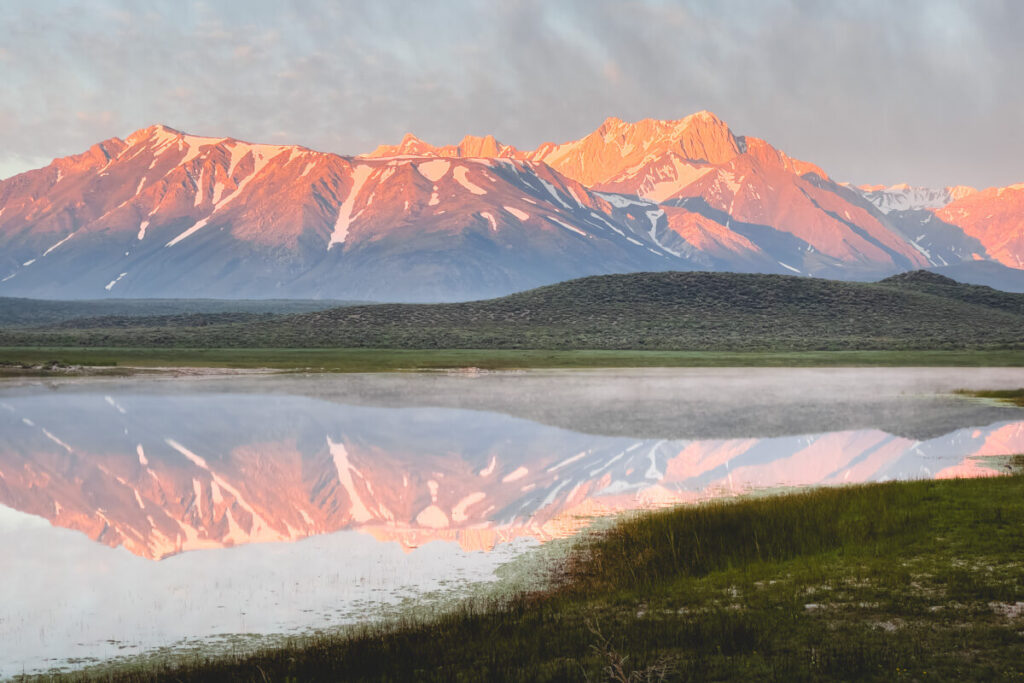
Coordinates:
x,y
145,512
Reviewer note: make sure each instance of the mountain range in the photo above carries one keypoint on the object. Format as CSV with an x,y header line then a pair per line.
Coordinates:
x,y
163,213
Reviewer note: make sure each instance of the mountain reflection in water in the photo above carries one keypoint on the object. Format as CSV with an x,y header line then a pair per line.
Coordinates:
x,y
403,488
163,474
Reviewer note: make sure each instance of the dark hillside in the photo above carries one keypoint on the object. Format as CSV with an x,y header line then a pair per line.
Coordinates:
x,y
38,312
678,311
929,282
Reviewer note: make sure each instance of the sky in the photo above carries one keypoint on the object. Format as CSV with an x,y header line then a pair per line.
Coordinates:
x,y
920,91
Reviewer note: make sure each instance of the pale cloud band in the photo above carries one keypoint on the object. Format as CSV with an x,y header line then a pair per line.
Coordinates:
x,y
923,92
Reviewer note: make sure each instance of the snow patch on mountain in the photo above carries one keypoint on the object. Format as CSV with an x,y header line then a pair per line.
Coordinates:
x,y
567,461
359,176
490,219
45,253
433,170
110,285
260,529
521,215
460,177
654,216
487,471
459,511
515,475
432,517
260,160
50,435
199,225
620,201
345,471
661,182
569,227
553,192
200,189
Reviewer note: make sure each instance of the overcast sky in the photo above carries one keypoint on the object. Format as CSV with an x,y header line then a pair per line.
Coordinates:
x,y
926,92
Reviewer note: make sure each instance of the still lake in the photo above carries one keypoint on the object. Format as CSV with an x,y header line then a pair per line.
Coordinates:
x,y
155,512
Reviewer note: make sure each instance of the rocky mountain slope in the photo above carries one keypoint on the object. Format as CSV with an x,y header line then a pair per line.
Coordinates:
x,y
163,213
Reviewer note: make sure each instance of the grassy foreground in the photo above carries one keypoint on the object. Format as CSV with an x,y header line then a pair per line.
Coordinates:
x,y
898,581
385,360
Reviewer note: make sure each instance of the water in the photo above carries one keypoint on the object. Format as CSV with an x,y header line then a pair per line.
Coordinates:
x,y
144,513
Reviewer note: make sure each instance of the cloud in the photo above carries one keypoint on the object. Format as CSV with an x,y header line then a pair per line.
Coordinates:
x,y
922,91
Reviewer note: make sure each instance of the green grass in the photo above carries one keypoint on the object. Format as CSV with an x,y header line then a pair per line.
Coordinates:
x,y
1014,396
899,581
387,360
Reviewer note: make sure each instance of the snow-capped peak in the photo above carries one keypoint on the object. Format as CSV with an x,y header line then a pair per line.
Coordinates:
x,y
904,197
162,136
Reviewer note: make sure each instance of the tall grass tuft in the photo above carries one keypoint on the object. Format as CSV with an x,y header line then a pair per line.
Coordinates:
x,y
652,548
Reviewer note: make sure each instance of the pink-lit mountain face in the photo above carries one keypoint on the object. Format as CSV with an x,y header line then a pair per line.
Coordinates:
x,y
163,213
994,217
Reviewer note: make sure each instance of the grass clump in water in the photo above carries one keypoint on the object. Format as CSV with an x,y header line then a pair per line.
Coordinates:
x,y
1014,396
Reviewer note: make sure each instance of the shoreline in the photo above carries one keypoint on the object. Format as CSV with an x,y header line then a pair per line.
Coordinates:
x,y
761,592
121,362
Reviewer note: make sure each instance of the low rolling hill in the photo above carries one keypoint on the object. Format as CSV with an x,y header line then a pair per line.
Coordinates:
x,y
663,311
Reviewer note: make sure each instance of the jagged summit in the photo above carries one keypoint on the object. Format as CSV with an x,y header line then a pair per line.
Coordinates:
x,y
157,129
618,146
705,137
486,146
701,137
470,146
618,151
904,197
163,134
410,145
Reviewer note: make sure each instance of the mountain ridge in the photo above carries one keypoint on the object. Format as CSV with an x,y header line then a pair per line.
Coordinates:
x,y
165,213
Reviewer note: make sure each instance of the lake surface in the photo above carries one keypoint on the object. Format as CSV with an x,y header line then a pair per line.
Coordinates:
x,y
143,513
